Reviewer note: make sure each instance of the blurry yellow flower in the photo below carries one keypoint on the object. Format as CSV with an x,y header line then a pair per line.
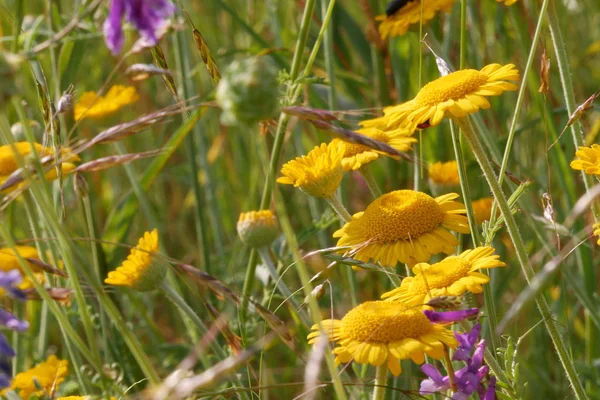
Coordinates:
x,y
9,261
48,374
381,332
483,209
9,164
457,94
357,155
81,398
453,276
140,271
318,173
257,228
404,226
445,173
596,228
398,22
589,160
507,2
90,105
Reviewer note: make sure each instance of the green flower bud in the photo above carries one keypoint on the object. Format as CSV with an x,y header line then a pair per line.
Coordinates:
x,y
248,92
257,228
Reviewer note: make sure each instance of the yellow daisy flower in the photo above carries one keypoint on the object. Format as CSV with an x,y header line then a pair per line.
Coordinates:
x,y
596,228
48,374
459,93
507,2
380,332
357,155
453,276
398,22
404,226
140,271
589,160
318,173
90,105
9,261
444,173
9,164
257,228
81,398
483,209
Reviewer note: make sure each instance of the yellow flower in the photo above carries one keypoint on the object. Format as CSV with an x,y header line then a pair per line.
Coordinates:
x,y
81,398
453,276
589,160
483,209
257,228
596,228
444,173
318,173
357,155
404,226
507,2
459,93
9,164
380,332
140,271
48,374
9,261
398,23
90,105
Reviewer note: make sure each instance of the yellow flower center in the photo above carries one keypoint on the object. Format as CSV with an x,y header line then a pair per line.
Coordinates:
x,y
450,87
384,321
440,275
401,215
352,149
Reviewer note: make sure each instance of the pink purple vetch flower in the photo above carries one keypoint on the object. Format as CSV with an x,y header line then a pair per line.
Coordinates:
x,y
148,17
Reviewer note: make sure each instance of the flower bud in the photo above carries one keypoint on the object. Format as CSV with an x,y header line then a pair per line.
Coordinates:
x,y
248,92
257,228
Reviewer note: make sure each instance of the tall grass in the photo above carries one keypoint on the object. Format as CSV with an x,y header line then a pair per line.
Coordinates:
x,y
218,326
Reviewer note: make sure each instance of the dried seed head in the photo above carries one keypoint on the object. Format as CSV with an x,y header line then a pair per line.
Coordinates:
x,y
445,302
544,73
81,186
65,103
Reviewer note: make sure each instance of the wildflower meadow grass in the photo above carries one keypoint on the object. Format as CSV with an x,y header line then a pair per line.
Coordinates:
x,y
311,199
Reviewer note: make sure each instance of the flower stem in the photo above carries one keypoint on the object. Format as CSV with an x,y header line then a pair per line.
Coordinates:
x,y
450,369
365,170
380,382
280,284
521,252
339,208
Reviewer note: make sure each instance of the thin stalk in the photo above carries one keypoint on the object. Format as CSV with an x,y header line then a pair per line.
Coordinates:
x,y
521,253
520,97
381,375
490,305
277,146
280,284
366,172
329,55
307,287
339,208
191,314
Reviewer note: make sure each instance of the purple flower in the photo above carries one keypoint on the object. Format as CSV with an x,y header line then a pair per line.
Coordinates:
x,y
436,382
450,316
490,393
148,16
7,282
466,341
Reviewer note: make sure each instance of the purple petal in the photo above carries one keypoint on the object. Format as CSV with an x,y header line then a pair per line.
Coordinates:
x,y
11,322
113,30
490,393
5,349
477,360
450,316
466,341
436,381
149,16
460,396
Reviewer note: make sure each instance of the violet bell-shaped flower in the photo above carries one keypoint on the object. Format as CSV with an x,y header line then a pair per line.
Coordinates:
x,y
148,16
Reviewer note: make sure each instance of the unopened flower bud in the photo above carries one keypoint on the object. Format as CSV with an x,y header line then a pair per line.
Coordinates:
x,y
248,92
257,228
65,103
